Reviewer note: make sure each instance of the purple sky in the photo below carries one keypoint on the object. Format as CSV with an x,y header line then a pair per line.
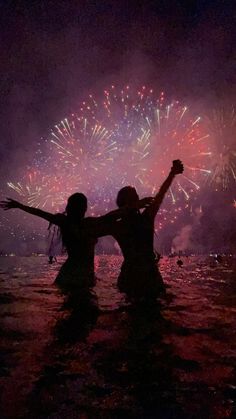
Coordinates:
x,y
54,53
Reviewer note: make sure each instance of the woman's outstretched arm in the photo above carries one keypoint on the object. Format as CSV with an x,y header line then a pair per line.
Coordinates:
x,y
176,169
103,225
11,203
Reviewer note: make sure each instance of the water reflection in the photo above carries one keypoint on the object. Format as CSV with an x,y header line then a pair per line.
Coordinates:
x,y
117,360
80,313
138,368
94,355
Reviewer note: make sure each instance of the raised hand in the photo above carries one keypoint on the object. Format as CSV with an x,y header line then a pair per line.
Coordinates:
x,y
177,167
9,204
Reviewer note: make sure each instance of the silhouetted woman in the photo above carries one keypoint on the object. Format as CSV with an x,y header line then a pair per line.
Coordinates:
x,y
134,232
79,236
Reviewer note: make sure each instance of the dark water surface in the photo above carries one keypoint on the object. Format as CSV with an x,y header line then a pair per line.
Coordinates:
x,y
110,359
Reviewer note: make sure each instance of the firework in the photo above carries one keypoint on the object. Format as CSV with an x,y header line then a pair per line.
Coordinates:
x,y
222,126
38,190
148,133
122,138
83,143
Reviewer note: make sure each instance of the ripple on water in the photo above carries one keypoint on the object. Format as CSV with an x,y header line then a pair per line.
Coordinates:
x,y
174,359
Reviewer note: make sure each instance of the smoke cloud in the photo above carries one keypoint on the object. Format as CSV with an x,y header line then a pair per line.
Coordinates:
x,y
185,239
53,57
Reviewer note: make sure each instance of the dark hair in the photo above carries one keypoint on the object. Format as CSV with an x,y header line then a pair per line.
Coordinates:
x,y
76,205
124,195
75,209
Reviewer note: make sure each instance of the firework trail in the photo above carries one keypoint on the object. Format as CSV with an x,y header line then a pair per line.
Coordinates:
x,y
124,137
222,126
38,190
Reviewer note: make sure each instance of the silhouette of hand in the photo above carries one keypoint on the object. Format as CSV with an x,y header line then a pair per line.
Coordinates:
x,y
9,204
145,202
177,167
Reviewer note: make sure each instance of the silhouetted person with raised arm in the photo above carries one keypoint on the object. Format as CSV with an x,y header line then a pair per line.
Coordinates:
x,y
134,232
79,236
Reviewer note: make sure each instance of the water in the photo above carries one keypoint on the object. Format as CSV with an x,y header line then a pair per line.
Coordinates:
x,y
174,359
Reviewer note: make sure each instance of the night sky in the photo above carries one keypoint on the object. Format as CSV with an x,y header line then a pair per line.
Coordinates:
x,y
55,52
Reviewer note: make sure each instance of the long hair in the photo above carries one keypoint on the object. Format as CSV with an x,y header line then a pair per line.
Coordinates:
x,y
75,210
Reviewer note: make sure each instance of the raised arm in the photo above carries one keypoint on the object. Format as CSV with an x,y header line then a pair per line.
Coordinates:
x,y
103,225
11,203
177,168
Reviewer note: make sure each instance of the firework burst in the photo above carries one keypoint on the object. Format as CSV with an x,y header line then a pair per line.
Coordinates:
x,y
149,132
222,126
122,138
39,190
83,143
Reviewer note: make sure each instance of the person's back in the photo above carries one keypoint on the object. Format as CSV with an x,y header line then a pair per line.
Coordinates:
x,y
139,276
134,233
79,244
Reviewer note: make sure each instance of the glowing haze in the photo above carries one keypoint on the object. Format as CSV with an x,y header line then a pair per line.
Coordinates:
x,y
128,137
125,137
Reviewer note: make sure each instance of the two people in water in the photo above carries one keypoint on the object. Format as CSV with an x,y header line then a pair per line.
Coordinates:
x,y
132,228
